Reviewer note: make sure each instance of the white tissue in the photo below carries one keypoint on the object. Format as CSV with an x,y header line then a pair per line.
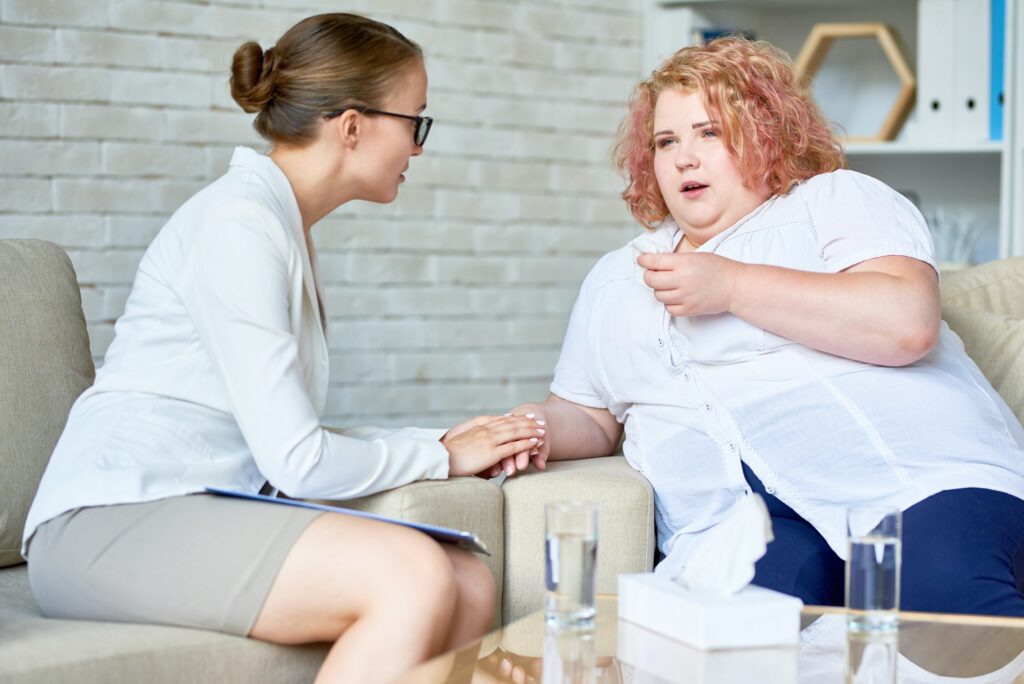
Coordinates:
x,y
722,560
644,244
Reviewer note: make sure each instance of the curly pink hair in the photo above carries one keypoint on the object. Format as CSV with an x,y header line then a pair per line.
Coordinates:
x,y
767,119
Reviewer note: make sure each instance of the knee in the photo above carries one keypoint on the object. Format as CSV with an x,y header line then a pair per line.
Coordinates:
x,y
421,578
478,591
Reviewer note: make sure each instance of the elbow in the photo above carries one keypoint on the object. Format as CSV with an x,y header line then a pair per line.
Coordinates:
x,y
293,474
915,343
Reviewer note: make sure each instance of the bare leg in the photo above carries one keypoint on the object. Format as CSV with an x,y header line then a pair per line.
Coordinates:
x,y
384,594
474,608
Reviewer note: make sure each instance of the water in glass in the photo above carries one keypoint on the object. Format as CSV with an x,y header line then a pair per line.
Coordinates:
x,y
872,582
569,577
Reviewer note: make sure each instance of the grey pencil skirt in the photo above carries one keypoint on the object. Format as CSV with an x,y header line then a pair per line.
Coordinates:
x,y
199,561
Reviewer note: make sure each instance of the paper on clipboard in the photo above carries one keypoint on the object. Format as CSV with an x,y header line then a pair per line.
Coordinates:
x,y
446,535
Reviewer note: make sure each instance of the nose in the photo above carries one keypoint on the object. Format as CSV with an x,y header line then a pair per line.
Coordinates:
x,y
686,157
417,150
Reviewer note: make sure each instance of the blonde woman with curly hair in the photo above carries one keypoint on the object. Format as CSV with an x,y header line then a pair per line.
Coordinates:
x,y
777,330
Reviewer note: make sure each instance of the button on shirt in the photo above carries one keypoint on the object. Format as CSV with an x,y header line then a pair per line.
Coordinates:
x,y
697,395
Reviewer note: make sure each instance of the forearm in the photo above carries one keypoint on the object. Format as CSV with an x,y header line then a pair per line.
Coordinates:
x,y
885,318
575,433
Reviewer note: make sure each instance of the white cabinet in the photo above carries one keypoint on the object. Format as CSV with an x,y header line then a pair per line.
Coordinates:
x,y
961,183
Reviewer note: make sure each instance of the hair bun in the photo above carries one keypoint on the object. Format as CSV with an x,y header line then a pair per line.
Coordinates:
x,y
252,76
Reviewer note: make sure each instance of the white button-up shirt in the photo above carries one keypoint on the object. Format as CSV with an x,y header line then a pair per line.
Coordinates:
x,y
699,394
218,372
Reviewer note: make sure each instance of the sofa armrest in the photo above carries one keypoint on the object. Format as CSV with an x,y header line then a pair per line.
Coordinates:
x,y
464,503
626,539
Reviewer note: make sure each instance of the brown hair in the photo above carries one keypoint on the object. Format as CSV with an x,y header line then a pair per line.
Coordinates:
x,y
768,121
323,63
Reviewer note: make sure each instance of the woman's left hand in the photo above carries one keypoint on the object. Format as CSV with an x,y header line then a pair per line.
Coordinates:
x,y
691,284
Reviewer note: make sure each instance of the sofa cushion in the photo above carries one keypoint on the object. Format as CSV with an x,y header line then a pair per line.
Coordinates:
x,y
996,286
37,650
996,343
44,366
626,538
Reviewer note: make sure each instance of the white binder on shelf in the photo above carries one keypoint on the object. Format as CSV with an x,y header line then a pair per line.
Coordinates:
x,y
936,67
972,76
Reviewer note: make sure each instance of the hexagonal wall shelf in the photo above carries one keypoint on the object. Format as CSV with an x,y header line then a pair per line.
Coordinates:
x,y
819,42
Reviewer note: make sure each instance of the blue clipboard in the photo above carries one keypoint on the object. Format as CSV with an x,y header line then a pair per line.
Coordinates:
x,y
446,535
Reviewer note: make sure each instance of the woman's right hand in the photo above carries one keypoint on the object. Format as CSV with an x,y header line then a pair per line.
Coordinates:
x,y
538,455
475,447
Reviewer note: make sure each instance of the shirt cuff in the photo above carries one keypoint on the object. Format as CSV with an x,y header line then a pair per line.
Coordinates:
x,y
848,260
432,438
581,399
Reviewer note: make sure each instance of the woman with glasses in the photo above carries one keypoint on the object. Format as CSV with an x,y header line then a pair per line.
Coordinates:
x,y
218,376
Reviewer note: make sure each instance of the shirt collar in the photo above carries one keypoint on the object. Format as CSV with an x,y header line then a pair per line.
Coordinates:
x,y
665,236
264,167
284,196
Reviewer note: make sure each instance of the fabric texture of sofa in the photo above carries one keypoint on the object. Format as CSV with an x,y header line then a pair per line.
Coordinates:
x,y
46,363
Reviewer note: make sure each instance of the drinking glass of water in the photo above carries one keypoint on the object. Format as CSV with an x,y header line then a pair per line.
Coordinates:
x,y
873,568
570,553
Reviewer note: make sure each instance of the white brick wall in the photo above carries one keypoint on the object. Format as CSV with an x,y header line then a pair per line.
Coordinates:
x,y
451,301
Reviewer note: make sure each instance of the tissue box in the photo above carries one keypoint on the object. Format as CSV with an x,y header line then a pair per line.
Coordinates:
x,y
655,655
752,618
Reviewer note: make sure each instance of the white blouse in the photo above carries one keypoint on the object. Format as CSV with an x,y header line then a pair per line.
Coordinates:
x,y
218,372
699,394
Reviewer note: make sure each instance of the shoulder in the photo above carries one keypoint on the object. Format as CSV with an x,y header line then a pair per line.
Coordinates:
x,y
617,265
229,210
843,185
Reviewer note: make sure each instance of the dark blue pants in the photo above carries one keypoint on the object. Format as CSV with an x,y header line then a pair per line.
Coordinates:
x,y
963,552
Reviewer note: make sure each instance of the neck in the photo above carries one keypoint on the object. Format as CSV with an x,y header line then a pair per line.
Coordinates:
x,y
313,176
687,244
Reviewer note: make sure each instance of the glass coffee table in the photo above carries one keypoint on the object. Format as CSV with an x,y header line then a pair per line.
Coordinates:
x,y
929,648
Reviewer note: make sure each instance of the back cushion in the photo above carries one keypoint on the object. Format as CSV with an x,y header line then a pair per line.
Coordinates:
x,y
996,343
45,364
996,286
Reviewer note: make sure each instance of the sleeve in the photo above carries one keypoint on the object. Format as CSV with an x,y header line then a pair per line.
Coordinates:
x,y
857,218
572,378
235,287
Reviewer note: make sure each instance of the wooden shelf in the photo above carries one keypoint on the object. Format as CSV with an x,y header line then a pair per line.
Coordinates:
x,y
902,148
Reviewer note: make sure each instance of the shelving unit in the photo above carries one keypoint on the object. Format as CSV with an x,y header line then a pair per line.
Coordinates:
x,y
981,181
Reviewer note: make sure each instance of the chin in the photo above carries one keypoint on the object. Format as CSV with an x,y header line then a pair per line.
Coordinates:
x,y
384,196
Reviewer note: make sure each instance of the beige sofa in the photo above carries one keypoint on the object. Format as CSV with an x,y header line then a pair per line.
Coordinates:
x,y
45,364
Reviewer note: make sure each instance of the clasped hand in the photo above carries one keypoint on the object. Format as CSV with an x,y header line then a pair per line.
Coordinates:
x,y
478,446
691,284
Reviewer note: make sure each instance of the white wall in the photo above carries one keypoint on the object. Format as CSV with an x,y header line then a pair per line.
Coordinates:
x,y
449,302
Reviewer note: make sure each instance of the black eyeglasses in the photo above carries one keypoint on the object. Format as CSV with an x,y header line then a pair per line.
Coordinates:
x,y
422,123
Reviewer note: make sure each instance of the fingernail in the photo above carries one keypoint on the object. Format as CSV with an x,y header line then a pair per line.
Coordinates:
x,y
534,439
540,430
530,415
506,415
510,469
542,422
540,442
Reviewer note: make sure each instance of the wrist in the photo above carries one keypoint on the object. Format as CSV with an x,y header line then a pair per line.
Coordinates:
x,y
737,284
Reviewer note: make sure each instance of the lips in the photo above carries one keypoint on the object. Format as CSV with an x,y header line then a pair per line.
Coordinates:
x,y
692,189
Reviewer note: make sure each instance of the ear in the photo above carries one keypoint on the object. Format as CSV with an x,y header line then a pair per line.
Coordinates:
x,y
350,128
